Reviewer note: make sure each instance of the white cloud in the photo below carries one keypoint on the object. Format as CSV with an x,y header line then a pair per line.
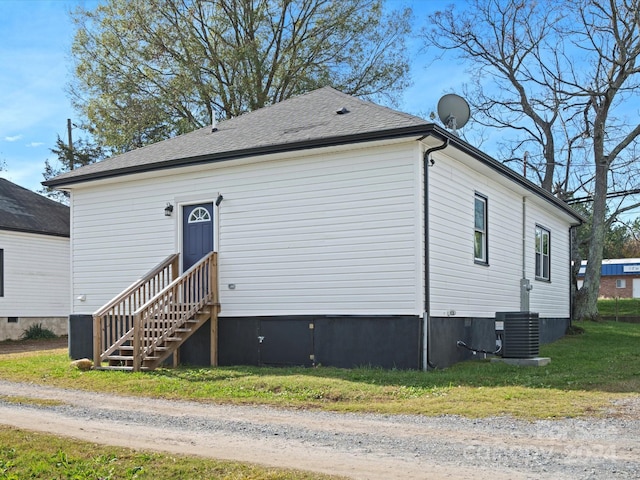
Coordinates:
x,y
14,138
27,174
34,144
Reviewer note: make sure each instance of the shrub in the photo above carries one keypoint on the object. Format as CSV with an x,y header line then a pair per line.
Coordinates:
x,y
37,332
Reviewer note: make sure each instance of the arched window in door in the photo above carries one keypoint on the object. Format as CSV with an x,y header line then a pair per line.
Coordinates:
x,y
199,214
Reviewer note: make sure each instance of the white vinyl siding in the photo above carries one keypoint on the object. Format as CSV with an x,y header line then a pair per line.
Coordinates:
x,y
460,285
457,282
551,298
36,275
331,233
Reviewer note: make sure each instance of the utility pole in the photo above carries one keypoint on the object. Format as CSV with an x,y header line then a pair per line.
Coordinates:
x,y
71,162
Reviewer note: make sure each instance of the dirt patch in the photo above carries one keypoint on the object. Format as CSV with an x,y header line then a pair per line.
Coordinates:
x,y
23,346
358,446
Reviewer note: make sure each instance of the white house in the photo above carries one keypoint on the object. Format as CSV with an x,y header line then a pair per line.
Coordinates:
x,y
329,248
34,262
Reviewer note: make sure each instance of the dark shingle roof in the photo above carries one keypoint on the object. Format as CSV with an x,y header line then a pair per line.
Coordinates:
x,y
25,211
300,122
307,121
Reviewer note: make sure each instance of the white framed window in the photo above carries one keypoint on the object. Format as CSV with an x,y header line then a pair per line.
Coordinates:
x,y
199,214
543,253
480,234
621,283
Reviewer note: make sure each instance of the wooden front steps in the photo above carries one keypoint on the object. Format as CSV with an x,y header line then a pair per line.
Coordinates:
x,y
155,355
148,323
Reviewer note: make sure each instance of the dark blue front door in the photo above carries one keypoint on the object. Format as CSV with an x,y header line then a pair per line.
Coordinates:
x,y
197,233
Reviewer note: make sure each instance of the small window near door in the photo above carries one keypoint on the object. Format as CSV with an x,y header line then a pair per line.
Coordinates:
x,y
621,283
199,214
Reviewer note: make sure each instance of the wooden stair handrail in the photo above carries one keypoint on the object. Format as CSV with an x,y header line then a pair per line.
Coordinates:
x,y
177,281
158,302
110,322
173,258
150,312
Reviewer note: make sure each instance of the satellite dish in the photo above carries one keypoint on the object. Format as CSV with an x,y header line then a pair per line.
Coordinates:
x,y
454,111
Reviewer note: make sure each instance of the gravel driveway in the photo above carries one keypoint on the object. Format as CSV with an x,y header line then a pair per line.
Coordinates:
x,y
354,445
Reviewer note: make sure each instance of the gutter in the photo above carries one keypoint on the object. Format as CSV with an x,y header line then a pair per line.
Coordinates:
x,y
426,318
76,177
36,232
514,176
420,130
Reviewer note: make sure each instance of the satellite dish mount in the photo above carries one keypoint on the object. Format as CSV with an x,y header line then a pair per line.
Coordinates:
x,y
454,112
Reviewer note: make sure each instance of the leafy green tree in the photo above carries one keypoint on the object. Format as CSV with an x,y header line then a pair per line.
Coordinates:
x,y
630,238
79,154
616,237
146,70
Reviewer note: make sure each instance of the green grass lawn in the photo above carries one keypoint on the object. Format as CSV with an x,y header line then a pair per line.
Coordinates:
x,y
34,455
623,307
586,373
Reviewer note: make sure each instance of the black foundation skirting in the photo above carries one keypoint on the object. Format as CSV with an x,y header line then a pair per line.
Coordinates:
x,y
337,341
478,333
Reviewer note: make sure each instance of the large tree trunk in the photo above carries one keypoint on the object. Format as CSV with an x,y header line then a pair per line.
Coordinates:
x,y
576,261
586,301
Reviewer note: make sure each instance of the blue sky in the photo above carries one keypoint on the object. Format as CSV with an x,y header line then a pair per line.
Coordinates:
x,y
35,67
34,51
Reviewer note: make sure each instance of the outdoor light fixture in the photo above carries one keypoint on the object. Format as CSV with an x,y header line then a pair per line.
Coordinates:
x,y
219,200
168,210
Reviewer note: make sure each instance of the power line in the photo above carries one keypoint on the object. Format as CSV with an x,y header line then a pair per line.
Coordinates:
x,y
589,198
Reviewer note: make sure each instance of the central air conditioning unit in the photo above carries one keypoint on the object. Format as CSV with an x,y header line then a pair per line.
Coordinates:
x,y
520,334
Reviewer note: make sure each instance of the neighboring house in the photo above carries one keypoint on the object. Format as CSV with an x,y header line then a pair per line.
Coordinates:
x,y
34,262
618,278
326,255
